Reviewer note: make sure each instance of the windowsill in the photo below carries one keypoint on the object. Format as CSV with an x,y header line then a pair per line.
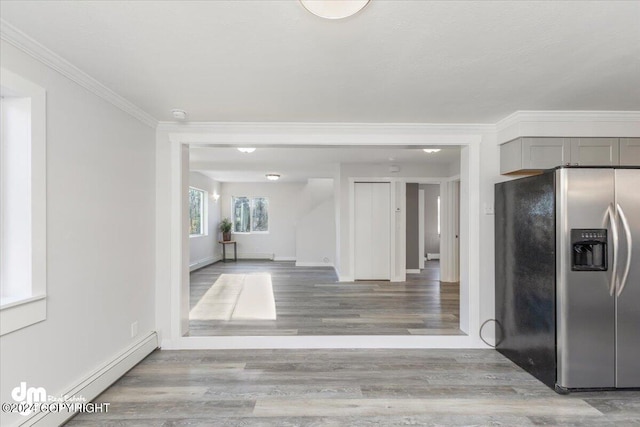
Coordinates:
x,y
193,236
19,313
249,232
9,302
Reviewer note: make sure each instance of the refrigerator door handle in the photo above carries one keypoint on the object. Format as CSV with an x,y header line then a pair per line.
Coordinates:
x,y
616,243
627,232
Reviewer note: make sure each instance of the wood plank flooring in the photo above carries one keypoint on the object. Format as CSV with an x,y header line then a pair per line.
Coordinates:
x,y
347,388
310,301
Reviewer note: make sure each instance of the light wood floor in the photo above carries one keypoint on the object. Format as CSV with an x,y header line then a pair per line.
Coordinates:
x,y
347,388
310,301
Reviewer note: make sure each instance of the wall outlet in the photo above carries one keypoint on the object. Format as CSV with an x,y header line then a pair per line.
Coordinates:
x,y
488,209
134,329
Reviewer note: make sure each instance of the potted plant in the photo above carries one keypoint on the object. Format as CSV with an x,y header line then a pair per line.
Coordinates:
x,y
225,227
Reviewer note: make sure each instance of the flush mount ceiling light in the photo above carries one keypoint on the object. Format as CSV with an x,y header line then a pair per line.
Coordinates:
x,y
179,114
334,9
430,150
273,176
246,149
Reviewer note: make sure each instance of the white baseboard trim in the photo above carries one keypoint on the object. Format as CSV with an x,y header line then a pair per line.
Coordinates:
x,y
314,264
433,256
249,255
204,262
413,271
284,258
346,278
97,382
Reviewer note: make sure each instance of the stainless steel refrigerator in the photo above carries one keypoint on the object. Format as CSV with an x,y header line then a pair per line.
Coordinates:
x,y
568,276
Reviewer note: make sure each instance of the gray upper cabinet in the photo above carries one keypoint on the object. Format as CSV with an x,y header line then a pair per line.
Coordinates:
x,y
524,156
630,151
527,155
595,151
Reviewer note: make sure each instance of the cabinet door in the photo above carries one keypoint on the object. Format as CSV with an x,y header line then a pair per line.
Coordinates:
x,y
545,153
630,151
595,151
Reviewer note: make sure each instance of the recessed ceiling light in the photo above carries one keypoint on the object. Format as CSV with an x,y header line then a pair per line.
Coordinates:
x,y
179,114
430,150
334,9
246,149
273,176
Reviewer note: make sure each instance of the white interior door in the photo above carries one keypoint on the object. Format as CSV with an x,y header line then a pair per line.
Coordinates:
x,y
372,231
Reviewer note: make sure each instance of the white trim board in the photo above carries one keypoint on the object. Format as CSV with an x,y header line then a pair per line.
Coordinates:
x,y
20,40
314,264
332,342
102,378
204,262
413,271
568,124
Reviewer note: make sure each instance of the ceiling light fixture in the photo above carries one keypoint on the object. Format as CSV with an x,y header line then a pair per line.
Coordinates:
x,y
179,114
334,9
430,150
246,149
273,176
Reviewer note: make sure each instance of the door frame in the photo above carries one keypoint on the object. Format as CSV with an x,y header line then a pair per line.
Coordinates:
x,y
169,168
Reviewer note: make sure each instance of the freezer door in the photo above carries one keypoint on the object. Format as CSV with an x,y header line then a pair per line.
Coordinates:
x,y
628,301
585,309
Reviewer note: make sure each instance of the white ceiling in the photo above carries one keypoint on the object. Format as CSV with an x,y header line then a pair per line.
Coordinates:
x,y
396,61
299,164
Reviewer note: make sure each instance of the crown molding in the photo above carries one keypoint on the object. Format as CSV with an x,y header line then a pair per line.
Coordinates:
x,y
568,124
567,116
20,40
332,127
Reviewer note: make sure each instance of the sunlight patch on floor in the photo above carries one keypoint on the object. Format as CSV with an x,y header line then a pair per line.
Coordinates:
x,y
237,297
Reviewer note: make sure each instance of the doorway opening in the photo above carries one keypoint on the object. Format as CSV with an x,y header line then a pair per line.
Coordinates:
x,y
285,276
468,312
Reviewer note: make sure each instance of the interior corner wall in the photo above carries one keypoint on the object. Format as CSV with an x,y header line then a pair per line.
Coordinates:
x,y
412,236
205,250
100,238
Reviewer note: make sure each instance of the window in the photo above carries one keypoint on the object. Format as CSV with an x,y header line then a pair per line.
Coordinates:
x,y
250,214
197,212
23,269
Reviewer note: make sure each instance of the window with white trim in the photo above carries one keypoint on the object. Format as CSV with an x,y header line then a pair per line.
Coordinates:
x,y
197,212
250,214
22,203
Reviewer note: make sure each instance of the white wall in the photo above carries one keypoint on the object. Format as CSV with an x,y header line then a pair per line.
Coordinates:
x,y
280,241
204,250
316,226
431,236
315,236
100,238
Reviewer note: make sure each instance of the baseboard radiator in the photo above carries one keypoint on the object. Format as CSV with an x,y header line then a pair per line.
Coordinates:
x,y
94,384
